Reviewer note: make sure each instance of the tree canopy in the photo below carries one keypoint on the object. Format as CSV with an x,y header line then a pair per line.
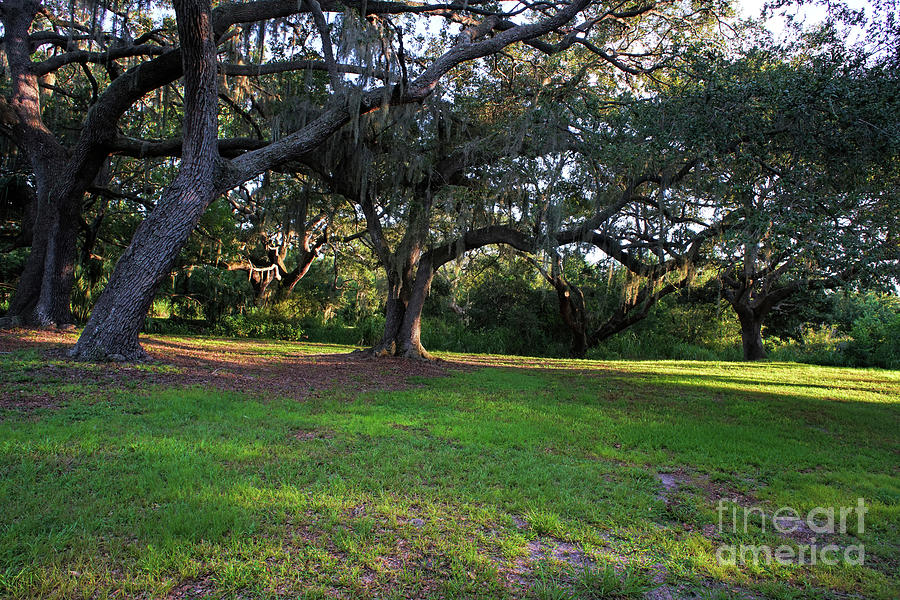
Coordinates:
x,y
250,141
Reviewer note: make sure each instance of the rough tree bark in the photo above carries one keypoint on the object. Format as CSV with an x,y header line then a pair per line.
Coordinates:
x,y
112,331
403,312
571,309
752,301
408,278
410,335
751,333
62,175
42,295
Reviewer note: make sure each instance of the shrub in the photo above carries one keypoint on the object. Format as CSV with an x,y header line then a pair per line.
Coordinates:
x,y
258,325
175,326
875,341
366,332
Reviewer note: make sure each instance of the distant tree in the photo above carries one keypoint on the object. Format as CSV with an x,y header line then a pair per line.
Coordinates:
x,y
282,226
777,175
818,197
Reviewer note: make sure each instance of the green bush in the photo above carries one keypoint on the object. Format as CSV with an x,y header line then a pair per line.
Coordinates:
x,y
649,345
258,325
875,341
866,333
452,335
175,326
366,332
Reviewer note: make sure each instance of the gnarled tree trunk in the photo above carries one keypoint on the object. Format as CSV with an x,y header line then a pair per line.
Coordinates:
x,y
403,310
54,301
409,338
394,311
585,334
112,331
28,290
43,293
573,313
751,333
262,272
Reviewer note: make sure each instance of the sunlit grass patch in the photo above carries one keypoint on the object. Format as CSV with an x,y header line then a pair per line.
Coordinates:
x,y
259,348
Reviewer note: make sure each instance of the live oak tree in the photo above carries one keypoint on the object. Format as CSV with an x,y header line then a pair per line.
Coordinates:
x,y
93,36
629,195
411,178
817,194
799,160
114,324
449,197
62,167
299,87
775,175
118,316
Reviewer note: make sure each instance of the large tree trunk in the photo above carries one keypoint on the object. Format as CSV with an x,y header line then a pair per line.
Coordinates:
x,y
28,289
113,328
54,301
751,312
406,297
751,334
403,321
43,293
409,337
112,331
394,310
573,313
409,275
403,313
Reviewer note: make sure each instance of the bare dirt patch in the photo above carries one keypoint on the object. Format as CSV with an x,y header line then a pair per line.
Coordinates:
x,y
26,401
520,572
194,587
304,435
673,482
267,368
670,483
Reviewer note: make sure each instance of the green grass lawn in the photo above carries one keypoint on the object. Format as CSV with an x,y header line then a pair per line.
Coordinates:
x,y
539,480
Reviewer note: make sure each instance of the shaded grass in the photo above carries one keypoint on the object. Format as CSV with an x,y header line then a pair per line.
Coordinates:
x,y
448,489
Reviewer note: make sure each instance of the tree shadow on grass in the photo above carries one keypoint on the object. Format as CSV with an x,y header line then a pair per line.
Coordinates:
x,y
411,489
260,367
